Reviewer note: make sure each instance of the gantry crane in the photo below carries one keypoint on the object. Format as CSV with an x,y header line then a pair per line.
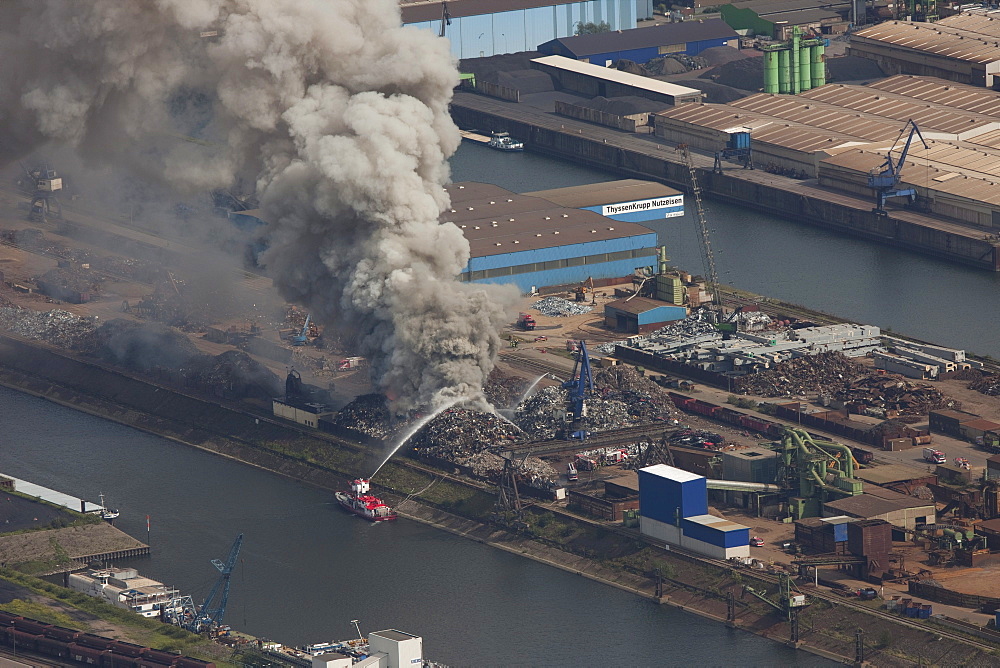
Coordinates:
x,y
790,601
884,179
182,612
707,256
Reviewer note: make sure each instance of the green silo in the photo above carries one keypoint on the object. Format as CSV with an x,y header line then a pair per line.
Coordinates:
x,y
818,65
795,76
770,71
784,71
805,73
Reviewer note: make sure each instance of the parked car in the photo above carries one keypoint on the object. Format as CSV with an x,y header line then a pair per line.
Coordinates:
x,y
756,542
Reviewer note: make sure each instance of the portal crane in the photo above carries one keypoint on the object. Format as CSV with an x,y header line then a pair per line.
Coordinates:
x,y
884,179
182,611
302,338
44,202
579,385
707,256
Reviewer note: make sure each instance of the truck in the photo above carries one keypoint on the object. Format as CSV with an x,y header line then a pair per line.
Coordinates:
x,y
934,456
571,473
525,321
349,363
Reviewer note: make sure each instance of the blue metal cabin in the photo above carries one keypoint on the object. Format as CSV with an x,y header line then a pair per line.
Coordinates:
x,y
532,242
643,44
669,494
481,28
639,315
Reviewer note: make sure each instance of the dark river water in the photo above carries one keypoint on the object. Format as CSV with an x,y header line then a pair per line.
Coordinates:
x,y
899,290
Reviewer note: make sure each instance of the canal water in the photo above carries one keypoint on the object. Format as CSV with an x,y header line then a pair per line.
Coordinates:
x,y
905,292
308,568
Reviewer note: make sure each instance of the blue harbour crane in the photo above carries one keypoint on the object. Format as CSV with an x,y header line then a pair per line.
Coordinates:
x,y
884,179
579,385
182,611
302,338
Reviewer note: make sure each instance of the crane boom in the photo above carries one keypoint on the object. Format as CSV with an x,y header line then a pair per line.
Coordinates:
x,y
707,256
214,608
884,179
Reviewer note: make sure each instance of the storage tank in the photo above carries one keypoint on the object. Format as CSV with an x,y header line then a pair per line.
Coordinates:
x,y
794,54
805,69
784,71
818,65
771,71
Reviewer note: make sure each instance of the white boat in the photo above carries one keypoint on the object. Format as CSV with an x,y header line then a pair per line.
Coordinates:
x,y
107,513
502,141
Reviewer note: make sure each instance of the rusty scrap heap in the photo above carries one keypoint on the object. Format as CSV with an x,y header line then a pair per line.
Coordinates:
x,y
58,327
503,390
813,374
892,395
988,384
367,414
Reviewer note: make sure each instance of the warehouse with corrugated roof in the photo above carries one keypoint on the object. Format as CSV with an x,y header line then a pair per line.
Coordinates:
x,y
839,133
964,48
630,200
777,18
533,243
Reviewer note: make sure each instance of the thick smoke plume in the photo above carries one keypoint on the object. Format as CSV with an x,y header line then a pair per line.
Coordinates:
x,y
338,112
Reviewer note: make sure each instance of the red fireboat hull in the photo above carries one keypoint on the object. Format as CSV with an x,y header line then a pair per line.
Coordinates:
x,y
346,504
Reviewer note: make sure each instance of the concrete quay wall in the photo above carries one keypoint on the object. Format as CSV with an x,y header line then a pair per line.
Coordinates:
x,y
643,158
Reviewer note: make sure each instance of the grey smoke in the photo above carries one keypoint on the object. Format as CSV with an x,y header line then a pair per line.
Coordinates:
x,y
338,112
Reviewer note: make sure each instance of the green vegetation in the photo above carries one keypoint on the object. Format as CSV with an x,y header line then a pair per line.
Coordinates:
x,y
741,402
146,631
42,613
591,28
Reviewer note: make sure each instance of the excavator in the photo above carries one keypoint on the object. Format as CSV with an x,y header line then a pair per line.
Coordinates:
x,y
581,291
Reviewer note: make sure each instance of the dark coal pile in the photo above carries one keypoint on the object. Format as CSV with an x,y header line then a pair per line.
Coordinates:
x,y
368,414
715,93
60,328
881,395
988,384
852,68
823,373
663,66
503,390
488,68
746,74
142,346
720,55
236,375
526,81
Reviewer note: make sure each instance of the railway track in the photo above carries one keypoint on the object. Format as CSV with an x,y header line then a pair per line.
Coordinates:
x,y
617,437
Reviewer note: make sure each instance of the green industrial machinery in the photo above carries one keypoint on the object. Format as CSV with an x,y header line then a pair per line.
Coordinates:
x,y
822,471
794,66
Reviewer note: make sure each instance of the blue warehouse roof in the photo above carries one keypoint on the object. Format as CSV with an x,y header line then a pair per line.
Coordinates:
x,y
666,34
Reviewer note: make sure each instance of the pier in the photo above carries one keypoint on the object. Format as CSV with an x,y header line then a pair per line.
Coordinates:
x,y
646,156
52,496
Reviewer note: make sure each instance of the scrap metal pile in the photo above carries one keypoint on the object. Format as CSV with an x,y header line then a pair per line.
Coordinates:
x,y
622,398
234,373
559,307
502,389
695,325
58,327
472,439
35,240
368,414
884,395
986,383
825,373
